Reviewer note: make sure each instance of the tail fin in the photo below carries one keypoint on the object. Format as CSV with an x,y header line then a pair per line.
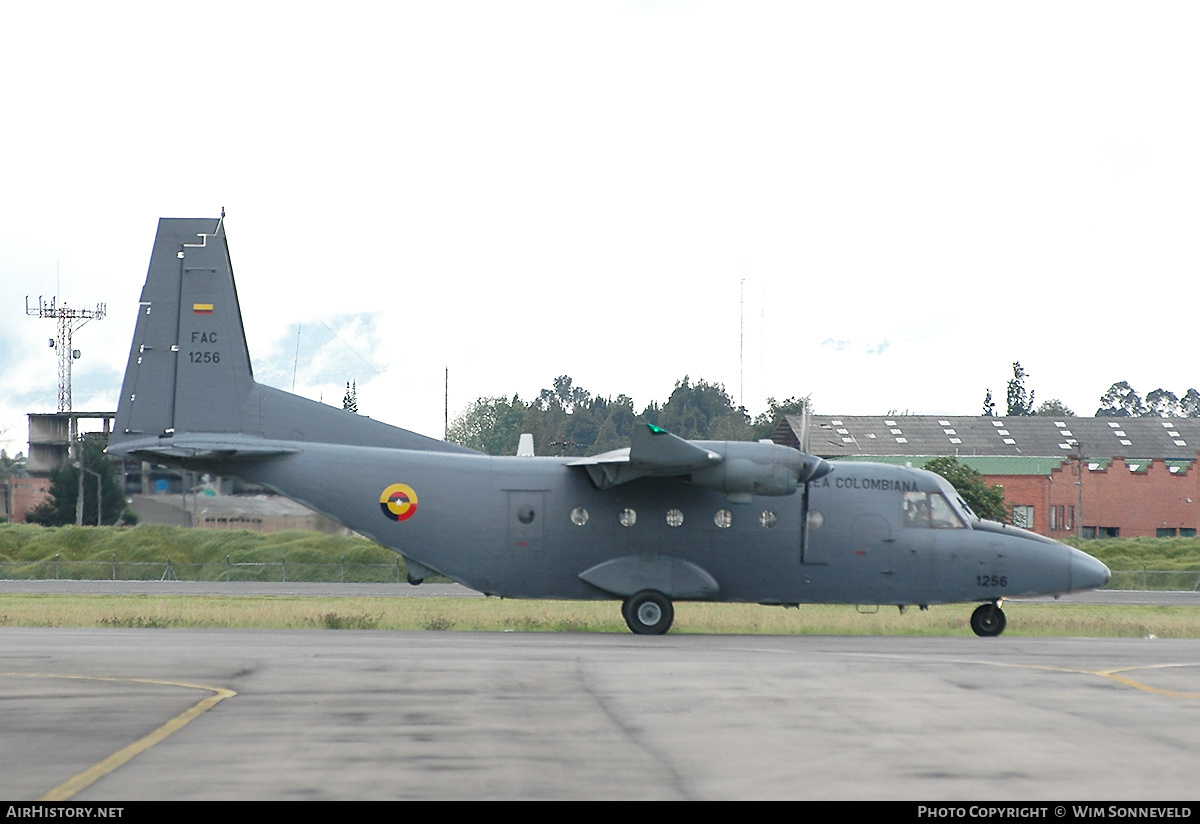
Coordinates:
x,y
189,367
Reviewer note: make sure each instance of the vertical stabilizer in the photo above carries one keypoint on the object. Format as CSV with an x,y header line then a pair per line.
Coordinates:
x,y
189,368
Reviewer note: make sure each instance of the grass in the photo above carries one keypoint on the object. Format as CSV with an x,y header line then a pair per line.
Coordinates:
x,y
1139,553
496,615
30,551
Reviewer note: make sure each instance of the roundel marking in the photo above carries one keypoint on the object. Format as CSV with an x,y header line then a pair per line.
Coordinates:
x,y
398,502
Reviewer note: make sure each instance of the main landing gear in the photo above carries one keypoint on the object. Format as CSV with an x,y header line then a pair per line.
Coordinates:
x,y
988,620
648,612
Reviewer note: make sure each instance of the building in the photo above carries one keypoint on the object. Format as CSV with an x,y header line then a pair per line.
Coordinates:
x,y
18,495
1093,477
51,435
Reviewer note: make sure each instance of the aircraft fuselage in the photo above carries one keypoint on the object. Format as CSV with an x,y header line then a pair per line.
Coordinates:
x,y
527,528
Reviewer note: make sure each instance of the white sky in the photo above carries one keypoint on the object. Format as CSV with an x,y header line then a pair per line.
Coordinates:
x,y
916,194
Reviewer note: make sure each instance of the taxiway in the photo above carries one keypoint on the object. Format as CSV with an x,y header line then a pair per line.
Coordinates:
x,y
372,714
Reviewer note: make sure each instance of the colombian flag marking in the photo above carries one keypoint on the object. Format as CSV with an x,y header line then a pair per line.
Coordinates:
x,y
398,502
202,308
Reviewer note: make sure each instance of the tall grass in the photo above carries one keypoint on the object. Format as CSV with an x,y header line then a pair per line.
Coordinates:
x,y
29,551
496,615
1139,553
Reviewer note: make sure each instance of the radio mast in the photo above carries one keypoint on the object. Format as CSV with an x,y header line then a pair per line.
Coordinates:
x,y
68,321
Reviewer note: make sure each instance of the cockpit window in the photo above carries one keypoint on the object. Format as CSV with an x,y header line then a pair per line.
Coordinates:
x,y
929,510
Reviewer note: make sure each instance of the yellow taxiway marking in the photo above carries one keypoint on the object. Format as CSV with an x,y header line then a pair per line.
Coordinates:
x,y
1113,674
89,776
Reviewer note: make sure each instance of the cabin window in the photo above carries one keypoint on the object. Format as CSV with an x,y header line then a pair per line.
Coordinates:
x,y
768,518
674,517
723,519
525,515
816,519
929,510
579,516
628,517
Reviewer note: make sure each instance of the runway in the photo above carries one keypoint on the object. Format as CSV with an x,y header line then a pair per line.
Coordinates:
x,y
440,715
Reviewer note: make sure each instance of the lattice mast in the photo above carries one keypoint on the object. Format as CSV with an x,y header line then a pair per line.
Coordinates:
x,y
69,320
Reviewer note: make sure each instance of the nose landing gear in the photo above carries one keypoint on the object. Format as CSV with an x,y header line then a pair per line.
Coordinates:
x,y
988,620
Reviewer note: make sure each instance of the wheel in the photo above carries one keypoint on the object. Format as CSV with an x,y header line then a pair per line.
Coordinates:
x,y
988,621
648,612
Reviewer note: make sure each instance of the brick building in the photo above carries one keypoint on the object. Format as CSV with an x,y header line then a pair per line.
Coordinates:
x,y
19,495
1094,477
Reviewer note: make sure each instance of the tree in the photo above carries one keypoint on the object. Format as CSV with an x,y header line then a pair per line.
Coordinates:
x,y
1020,400
64,490
1120,401
1189,404
1162,404
617,429
1054,408
765,423
350,401
703,410
11,467
569,420
989,406
986,499
491,425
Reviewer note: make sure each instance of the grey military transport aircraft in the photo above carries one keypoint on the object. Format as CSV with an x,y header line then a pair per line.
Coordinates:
x,y
664,520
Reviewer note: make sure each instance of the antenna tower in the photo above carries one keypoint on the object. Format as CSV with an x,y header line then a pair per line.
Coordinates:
x,y
68,321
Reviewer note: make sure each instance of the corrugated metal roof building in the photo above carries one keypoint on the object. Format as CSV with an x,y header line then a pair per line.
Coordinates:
x,y
1096,477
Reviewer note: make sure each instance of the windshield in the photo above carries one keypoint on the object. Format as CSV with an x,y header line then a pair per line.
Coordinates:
x,y
930,510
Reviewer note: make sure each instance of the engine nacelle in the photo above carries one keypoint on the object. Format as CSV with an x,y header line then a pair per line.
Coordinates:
x,y
758,469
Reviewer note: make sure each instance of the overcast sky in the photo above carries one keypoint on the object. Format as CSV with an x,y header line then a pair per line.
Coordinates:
x,y
894,201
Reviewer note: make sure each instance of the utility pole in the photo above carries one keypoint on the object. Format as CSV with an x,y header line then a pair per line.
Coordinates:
x,y
742,342
1079,495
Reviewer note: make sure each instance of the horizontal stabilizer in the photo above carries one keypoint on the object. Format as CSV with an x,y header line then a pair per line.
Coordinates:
x,y
206,448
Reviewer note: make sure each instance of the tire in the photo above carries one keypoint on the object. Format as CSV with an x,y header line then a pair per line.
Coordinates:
x,y
988,621
648,612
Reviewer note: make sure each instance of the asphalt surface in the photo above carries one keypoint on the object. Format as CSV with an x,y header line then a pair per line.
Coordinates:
x,y
437,715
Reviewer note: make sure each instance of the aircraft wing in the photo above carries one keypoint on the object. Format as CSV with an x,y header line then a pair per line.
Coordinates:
x,y
655,452
739,469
